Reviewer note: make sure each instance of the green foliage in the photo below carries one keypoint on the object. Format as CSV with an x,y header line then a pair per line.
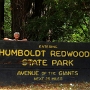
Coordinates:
x,y
7,17
36,27
67,19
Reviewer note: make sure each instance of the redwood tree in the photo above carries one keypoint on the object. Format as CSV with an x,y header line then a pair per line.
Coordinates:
x,y
23,10
1,18
19,11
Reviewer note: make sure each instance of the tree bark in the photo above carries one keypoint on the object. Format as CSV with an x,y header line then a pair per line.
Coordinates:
x,y
1,18
19,10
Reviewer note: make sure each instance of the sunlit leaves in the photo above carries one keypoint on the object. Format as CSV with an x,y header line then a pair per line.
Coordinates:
x,y
7,17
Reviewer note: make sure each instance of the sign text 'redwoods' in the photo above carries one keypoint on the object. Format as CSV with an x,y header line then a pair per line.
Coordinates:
x,y
38,53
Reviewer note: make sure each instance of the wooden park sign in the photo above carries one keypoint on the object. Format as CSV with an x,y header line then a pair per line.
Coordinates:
x,y
41,62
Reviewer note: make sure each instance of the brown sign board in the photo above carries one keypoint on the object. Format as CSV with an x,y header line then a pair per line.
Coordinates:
x,y
42,62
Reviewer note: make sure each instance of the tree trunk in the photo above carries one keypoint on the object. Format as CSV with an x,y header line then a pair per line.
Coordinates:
x,y
1,18
38,7
19,10
23,10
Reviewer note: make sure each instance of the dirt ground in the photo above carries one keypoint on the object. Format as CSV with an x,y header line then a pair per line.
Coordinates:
x,y
60,86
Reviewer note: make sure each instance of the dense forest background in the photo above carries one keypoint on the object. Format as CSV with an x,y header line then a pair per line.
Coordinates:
x,y
67,20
